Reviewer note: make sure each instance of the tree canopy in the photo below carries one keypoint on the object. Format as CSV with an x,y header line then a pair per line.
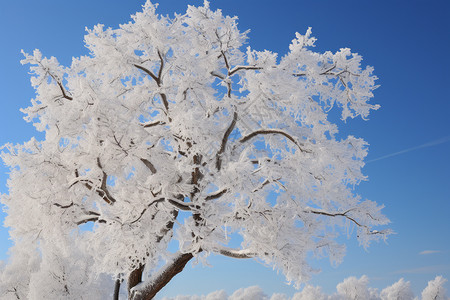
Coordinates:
x,y
170,141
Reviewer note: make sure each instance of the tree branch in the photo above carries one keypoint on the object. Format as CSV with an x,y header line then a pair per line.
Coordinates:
x,y
158,79
266,182
238,68
227,80
338,74
151,124
134,279
224,141
87,182
150,73
235,253
145,291
344,214
63,91
160,67
117,288
103,189
149,165
273,131
168,227
216,195
187,206
145,209
93,219
218,75
326,72
227,65
92,215
196,174
64,206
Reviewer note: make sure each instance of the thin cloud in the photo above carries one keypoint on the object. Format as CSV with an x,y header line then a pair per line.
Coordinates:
x,y
424,270
426,252
426,145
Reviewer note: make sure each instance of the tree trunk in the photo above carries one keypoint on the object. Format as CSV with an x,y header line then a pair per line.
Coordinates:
x,y
148,291
117,288
135,278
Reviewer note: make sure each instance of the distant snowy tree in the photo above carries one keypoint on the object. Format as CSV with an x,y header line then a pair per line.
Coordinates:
x,y
168,132
184,297
278,296
374,294
310,292
252,292
216,295
354,289
350,288
400,290
435,289
15,277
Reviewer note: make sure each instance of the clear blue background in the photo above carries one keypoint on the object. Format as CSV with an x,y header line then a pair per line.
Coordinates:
x,y
407,42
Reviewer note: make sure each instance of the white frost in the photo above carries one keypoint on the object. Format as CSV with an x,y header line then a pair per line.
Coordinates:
x,y
140,134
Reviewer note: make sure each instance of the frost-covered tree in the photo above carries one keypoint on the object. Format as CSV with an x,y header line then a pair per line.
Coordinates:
x,y
310,292
435,289
251,292
279,296
401,290
14,277
216,295
353,288
168,142
350,288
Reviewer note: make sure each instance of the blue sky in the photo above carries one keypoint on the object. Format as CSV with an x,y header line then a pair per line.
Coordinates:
x,y
408,164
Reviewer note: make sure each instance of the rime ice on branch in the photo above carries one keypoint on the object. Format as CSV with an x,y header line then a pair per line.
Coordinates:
x,y
170,115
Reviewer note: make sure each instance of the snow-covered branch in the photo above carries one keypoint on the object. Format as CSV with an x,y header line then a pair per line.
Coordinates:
x,y
235,253
216,195
274,131
224,141
239,68
148,289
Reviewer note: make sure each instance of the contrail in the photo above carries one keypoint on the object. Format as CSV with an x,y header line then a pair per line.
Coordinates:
x,y
429,144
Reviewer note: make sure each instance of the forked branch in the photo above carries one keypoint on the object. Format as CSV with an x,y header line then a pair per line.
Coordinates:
x,y
105,195
150,73
63,91
157,79
145,209
58,82
103,189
